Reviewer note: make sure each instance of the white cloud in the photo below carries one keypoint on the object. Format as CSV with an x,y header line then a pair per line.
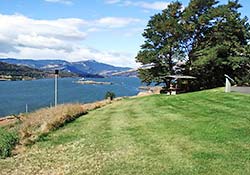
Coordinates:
x,y
18,30
157,5
109,57
93,29
160,5
23,37
40,42
112,1
114,22
67,2
78,53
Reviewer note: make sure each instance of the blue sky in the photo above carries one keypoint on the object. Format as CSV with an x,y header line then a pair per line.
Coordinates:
x,y
108,31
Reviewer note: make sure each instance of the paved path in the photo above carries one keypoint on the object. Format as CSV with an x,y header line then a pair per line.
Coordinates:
x,y
245,90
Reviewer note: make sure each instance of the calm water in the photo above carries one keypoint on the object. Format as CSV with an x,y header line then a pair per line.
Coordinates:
x,y
14,95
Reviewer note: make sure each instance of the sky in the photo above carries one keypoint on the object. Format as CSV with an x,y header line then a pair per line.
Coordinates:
x,y
108,31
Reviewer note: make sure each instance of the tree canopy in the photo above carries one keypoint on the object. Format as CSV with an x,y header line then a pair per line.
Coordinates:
x,y
204,39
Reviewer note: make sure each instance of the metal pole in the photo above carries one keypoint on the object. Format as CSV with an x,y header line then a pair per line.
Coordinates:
x,y
56,86
26,108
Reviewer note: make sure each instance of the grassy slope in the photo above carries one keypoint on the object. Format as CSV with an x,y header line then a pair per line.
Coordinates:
x,y
200,133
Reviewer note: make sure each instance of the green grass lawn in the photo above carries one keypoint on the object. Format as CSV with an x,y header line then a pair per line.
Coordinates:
x,y
205,132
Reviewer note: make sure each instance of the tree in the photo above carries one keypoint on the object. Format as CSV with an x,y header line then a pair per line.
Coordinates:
x,y
224,49
162,46
196,22
171,36
212,39
110,95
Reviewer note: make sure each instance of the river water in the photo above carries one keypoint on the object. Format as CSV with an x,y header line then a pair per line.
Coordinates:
x,y
15,95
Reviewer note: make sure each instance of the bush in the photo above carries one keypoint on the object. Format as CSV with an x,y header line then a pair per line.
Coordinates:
x,y
110,95
45,120
39,123
243,81
8,140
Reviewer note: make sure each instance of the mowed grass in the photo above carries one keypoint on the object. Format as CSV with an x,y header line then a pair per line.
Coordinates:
x,y
204,132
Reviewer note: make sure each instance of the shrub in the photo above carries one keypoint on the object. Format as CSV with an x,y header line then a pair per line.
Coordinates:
x,y
41,122
8,140
45,120
243,81
110,95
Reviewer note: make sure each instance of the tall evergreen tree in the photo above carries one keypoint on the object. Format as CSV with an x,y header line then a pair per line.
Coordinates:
x,y
196,23
162,46
224,49
212,39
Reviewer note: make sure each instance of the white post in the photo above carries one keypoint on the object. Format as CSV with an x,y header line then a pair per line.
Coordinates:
x,y
26,108
228,85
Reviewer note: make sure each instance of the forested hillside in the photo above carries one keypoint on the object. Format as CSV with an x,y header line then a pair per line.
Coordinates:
x,y
16,72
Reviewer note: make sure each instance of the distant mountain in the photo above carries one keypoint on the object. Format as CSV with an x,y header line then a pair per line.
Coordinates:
x,y
38,64
94,67
89,68
20,72
15,72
